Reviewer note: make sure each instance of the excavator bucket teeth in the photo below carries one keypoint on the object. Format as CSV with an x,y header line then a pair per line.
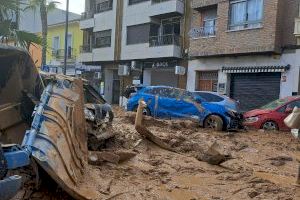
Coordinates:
x,y
60,144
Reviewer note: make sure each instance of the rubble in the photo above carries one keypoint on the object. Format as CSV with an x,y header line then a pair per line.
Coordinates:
x,y
151,172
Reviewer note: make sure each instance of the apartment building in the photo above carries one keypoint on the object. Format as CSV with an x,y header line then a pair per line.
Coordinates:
x,y
246,49
56,43
136,41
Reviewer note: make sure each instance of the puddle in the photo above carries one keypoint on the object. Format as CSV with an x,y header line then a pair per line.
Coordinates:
x,y
276,179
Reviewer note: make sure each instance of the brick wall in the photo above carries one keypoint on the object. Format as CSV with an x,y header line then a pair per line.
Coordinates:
x,y
203,3
276,30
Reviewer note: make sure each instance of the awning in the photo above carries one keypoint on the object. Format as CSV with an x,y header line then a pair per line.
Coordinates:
x,y
255,69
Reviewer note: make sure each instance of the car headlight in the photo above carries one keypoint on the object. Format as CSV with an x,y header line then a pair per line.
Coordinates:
x,y
251,119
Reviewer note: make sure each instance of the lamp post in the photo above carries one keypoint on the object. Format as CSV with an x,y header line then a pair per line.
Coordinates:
x,y
66,38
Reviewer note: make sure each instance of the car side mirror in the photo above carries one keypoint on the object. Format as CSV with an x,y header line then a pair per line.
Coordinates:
x,y
288,110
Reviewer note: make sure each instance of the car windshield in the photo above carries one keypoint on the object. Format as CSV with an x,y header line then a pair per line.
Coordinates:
x,y
275,104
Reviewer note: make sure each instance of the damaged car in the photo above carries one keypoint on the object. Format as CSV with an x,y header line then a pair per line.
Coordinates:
x,y
169,103
271,116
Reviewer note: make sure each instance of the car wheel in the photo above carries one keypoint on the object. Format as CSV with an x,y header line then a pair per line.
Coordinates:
x,y
270,126
214,122
146,111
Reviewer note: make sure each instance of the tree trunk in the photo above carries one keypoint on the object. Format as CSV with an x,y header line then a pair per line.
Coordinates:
x,y
44,20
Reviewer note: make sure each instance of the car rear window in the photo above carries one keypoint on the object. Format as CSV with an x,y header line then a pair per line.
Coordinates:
x,y
210,97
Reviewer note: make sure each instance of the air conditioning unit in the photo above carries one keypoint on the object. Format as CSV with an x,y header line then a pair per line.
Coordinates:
x,y
97,75
179,70
124,70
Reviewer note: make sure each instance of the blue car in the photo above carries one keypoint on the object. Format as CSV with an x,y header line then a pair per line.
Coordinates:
x,y
168,102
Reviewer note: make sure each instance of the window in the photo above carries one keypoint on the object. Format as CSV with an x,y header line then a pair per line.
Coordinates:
x,y
165,33
104,5
165,92
207,81
103,39
69,45
291,105
209,22
210,97
55,43
188,96
131,2
171,26
138,34
294,104
245,14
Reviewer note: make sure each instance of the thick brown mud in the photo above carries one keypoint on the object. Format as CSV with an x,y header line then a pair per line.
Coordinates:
x,y
264,165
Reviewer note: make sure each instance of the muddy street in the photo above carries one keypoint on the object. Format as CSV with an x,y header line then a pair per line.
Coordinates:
x,y
263,165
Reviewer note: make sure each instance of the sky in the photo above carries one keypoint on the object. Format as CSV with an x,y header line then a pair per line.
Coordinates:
x,y
76,6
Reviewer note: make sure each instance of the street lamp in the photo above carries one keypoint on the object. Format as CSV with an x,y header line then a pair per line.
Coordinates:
x,y
66,38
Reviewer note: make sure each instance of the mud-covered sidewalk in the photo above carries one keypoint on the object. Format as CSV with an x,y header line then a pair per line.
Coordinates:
x,y
264,165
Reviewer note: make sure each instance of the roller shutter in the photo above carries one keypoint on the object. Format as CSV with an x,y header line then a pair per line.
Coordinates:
x,y
254,90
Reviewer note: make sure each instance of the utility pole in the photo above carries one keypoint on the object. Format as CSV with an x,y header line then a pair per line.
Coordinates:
x,y
66,38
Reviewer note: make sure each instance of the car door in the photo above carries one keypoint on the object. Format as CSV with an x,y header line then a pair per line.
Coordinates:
x,y
167,104
189,107
284,111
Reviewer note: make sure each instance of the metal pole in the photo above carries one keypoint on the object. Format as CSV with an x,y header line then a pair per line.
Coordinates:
x,y
66,38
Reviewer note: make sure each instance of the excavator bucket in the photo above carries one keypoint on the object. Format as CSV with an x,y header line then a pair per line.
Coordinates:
x,y
60,144
41,119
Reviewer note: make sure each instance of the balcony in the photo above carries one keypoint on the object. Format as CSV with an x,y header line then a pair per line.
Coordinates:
x,y
165,46
60,54
87,15
203,32
86,48
104,6
163,40
166,7
87,20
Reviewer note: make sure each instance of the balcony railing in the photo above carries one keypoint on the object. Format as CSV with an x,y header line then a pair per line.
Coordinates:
x,y
104,6
87,15
207,31
86,48
163,40
60,53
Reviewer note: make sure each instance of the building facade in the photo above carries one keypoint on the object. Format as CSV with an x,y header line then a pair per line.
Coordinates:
x,y
136,41
56,43
30,21
245,49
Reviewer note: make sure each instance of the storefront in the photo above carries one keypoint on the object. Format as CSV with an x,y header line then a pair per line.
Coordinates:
x,y
254,86
253,80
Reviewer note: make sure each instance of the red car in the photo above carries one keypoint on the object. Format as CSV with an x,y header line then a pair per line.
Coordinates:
x,y
271,116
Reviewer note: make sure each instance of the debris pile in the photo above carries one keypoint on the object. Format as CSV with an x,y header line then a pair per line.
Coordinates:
x,y
173,163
